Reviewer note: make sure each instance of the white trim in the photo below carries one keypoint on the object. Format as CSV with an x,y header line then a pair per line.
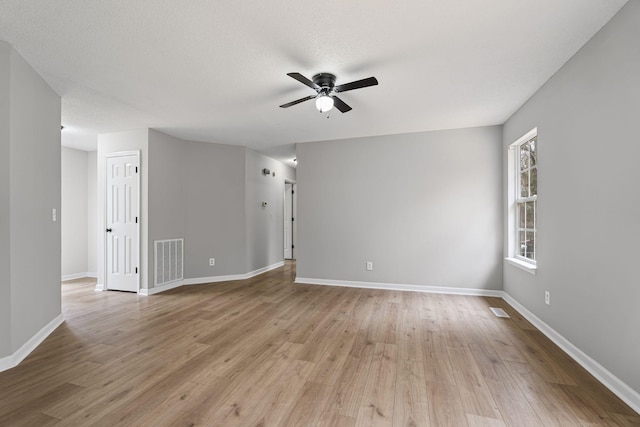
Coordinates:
x,y
74,276
158,289
401,287
214,279
99,287
18,356
211,279
609,380
522,265
78,276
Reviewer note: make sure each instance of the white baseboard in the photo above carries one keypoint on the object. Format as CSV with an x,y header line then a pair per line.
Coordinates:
x,y
609,380
18,356
66,277
162,288
210,279
213,279
231,277
401,287
99,287
265,269
254,273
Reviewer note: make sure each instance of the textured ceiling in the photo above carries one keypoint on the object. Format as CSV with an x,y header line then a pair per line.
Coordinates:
x,y
216,70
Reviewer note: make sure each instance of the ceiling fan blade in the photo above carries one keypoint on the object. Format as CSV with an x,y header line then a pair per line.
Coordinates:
x,y
371,81
305,81
340,105
297,101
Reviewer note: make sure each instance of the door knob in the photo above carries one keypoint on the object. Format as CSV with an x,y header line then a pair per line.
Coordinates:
x,y
109,230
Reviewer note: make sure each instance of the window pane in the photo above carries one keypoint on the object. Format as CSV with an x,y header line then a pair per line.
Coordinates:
x,y
531,215
535,215
533,181
533,152
524,156
521,215
522,245
531,245
524,184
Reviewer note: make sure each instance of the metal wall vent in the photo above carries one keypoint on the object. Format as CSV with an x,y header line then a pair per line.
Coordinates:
x,y
499,312
168,255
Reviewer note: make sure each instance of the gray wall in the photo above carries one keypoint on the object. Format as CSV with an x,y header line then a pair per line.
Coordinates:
x,y
166,196
30,140
211,194
264,226
79,213
73,212
196,192
137,139
215,212
423,207
5,212
588,238
92,213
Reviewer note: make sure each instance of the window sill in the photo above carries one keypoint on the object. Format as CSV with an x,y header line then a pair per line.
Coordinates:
x,y
522,265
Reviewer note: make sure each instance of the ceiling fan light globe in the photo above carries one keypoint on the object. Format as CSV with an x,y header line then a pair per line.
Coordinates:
x,y
324,103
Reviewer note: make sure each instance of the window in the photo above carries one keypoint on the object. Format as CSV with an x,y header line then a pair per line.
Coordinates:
x,y
526,200
523,189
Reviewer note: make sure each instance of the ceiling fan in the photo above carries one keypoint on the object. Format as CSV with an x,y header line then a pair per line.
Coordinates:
x,y
324,85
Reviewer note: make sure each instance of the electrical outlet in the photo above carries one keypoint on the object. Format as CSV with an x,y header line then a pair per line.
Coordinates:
x,y
212,262
547,298
369,266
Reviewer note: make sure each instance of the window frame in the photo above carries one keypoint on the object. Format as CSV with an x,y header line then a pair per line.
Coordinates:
x,y
516,200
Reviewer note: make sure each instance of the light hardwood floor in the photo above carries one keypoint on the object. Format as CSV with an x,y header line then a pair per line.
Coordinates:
x,y
267,352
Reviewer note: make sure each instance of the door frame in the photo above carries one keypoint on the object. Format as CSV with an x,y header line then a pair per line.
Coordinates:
x,y
294,187
105,215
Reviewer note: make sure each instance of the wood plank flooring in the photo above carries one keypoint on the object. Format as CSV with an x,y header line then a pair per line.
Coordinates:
x,y
267,352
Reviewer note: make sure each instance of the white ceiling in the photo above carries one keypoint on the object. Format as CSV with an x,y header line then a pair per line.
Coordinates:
x,y
216,70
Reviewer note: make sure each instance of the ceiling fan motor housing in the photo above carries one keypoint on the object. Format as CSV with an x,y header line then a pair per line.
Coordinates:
x,y
325,80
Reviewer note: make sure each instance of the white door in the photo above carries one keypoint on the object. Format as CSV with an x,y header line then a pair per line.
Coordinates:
x,y
121,234
288,219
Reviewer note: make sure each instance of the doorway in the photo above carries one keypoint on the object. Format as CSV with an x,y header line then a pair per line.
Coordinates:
x,y
290,212
122,224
